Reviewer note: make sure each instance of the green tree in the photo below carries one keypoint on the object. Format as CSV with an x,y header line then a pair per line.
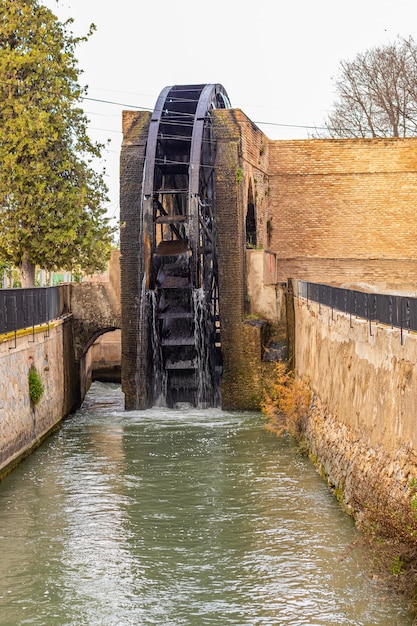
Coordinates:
x,y
377,93
51,196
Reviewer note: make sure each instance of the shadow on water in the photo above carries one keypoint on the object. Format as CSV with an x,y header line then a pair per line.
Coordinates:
x,y
177,517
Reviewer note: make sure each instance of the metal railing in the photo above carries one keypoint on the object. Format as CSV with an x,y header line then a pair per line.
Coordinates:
x,y
392,310
27,308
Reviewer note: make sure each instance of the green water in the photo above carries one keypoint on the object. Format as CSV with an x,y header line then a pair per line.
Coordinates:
x,y
175,517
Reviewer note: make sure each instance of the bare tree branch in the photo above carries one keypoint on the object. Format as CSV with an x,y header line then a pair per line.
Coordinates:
x,y
377,93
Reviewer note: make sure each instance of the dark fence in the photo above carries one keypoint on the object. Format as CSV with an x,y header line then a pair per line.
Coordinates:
x,y
392,310
26,308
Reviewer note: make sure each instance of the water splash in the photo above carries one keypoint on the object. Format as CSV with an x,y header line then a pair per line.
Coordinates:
x,y
142,337
160,377
204,397
177,517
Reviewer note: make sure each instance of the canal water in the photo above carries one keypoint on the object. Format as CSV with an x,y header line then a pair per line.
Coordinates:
x,y
177,518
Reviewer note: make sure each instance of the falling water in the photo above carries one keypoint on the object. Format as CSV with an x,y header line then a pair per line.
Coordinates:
x,y
159,373
142,317
203,373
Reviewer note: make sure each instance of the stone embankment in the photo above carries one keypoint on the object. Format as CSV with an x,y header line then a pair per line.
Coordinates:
x,y
361,431
23,425
353,468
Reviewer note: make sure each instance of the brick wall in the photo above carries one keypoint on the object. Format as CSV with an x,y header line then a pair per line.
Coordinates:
x,y
331,211
135,132
230,238
241,162
251,169
336,203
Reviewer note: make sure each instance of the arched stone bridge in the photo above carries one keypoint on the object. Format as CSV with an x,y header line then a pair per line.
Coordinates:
x,y
95,306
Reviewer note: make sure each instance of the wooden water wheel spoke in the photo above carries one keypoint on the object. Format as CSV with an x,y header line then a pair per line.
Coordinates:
x,y
179,232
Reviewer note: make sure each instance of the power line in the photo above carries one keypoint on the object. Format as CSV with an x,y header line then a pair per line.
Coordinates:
x,y
291,125
120,104
141,108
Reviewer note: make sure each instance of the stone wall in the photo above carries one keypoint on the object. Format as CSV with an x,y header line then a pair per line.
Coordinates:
x,y
50,350
362,429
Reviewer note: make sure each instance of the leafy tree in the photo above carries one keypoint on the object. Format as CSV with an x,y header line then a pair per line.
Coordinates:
x,y
377,93
51,197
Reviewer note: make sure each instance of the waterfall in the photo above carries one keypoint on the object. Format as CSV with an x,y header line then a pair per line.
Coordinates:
x,y
142,337
159,373
204,394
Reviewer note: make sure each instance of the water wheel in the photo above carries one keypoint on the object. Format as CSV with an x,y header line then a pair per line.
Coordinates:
x,y
179,247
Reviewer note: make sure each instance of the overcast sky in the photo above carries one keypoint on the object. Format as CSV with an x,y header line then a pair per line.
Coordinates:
x,y
275,59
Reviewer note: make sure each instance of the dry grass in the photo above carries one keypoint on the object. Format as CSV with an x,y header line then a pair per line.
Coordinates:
x,y
286,402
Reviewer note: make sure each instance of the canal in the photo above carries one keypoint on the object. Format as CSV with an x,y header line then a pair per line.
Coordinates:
x,y
177,518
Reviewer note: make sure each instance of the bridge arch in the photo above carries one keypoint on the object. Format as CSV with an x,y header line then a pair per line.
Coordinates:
x,y
96,310
86,359
96,334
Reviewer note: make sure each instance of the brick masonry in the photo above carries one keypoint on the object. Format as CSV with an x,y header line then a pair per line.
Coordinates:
x,y
333,211
343,211
238,168
134,369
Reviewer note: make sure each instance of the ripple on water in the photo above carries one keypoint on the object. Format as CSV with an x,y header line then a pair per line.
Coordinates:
x,y
177,517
